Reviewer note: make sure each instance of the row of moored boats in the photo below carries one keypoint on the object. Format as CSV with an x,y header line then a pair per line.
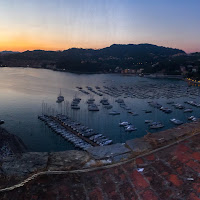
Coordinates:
x,y
78,128
143,90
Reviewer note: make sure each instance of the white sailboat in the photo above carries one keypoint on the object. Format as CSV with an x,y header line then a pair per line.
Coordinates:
x,y
60,98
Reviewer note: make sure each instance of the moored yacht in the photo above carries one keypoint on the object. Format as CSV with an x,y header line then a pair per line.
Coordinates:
x,y
176,121
108,106
60,98
194,119
75,106
134,114
93,107
148,111
104,101
114,113
124,123
179,106
90,101
156,125
2,122
188,110
191,117
148,121
166,110
130,128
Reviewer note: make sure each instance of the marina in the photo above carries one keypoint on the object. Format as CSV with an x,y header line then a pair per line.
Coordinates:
x,y
147,105
79,135
100,100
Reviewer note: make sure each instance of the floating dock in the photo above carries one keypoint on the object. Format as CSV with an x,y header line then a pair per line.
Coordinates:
x,y
74,132
81,136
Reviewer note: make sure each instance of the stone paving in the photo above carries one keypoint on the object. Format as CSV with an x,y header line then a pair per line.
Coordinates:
x,y
171,172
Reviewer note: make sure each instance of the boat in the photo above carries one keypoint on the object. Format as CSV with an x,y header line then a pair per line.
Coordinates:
x,y
148,111
76,99
155,105
130,128
155,125
170,102
104,101
193,103
148,121
90,101
119,100
114,113
124,123
75,102
107,142
122,105
194,119
188,110
166,110
176,121
93,107
130,111
75,106
2,122
60,98
135,114
191,117
179,106
108,106
96,136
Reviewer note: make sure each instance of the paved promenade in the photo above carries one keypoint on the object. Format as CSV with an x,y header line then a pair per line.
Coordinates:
x,y
171,172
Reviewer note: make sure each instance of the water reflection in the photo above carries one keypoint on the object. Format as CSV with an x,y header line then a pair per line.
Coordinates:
x,y
23,91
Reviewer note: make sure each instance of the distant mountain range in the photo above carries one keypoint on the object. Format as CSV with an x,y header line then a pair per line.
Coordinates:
x,y
89,60
8,52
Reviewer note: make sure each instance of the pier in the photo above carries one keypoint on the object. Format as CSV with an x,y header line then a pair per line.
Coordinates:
x,y
74,132
79,135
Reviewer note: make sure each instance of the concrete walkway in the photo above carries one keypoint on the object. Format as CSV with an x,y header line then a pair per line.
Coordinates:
x,y
166,173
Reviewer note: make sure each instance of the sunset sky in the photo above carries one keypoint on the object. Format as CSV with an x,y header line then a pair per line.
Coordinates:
x,y
63,24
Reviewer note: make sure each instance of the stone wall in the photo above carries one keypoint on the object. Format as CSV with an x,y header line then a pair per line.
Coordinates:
x,y
21,165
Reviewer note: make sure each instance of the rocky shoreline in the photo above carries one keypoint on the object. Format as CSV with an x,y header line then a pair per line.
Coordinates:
x,y
10,144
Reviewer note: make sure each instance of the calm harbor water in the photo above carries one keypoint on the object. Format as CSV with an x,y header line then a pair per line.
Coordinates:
x,y
22,92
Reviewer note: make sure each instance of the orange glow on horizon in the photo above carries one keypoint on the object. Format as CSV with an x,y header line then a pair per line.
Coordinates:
x,y
23,43
30,47
31,40
63,24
